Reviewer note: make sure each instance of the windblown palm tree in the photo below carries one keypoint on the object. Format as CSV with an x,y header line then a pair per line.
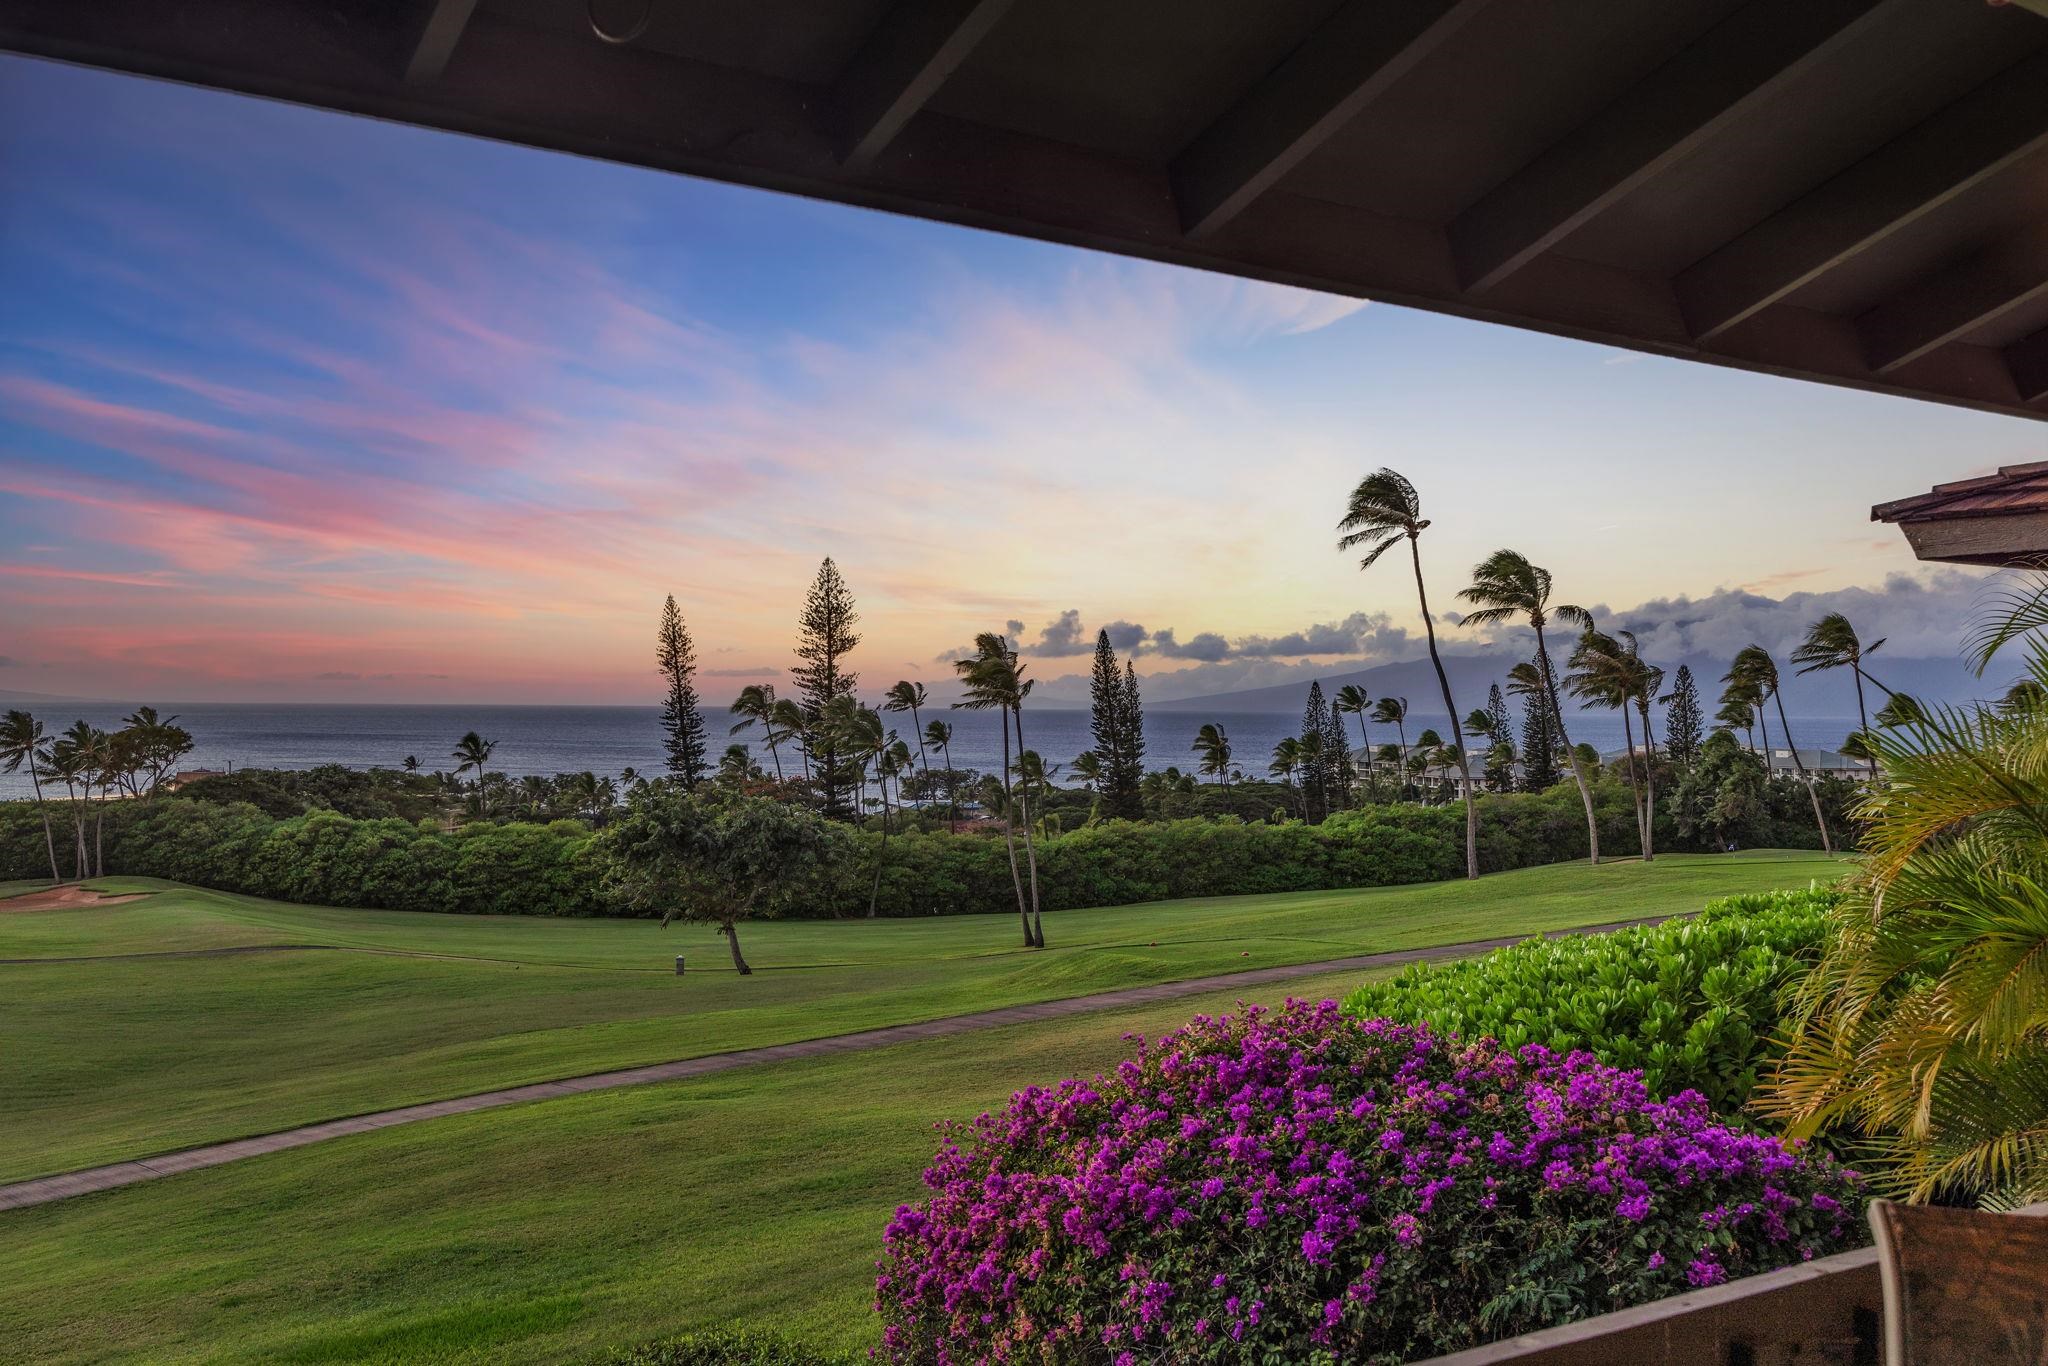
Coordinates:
x,y
1756,673
909,696
989,678
1831,643
1393,711
411,763
22,742
1385,508
1923,1031
1605,673
1500,749
1507,587
1214,746
472,751
1286,759
1352,699
938,735
756,706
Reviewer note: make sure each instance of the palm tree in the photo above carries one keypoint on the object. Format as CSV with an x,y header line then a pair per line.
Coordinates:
x,y
536,796
411,763
1383,509
472,751
909,696
1309,754
756,704
1506,586
938,735
22,742
1214,746
1087,766
1605,674
72,762
1393,711
1919,1034
989,680
1286,759
1428,746
1351,698
1500,749
1831,643
1756,672
1738,713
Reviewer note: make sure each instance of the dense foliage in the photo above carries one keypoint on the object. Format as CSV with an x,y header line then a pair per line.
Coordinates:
x,y
1311,1187
1692,1003
721,1348
550,869
1922,1035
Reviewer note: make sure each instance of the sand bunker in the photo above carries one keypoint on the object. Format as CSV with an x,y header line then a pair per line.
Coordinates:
x,y
64,899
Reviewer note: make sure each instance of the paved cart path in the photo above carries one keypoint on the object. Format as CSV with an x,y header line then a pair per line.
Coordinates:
x,y
45,1189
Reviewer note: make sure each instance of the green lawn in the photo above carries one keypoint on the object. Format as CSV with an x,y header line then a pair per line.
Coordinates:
x,y
120,1057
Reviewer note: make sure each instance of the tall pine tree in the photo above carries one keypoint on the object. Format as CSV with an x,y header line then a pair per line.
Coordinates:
x,y
825,636
1338,772
1315,768
1684,726
1500,769
1540,772
1131,780
681,722
1110,718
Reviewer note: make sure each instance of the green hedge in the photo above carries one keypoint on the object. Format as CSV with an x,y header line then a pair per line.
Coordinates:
x,y
328,858
1694,1002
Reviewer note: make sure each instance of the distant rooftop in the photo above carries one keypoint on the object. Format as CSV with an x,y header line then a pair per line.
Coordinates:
x,y
1997,519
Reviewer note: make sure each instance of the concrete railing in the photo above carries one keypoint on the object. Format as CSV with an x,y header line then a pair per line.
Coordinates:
x,y
1826,1312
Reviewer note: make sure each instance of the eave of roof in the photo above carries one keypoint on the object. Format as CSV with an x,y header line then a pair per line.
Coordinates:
x,y
2014,489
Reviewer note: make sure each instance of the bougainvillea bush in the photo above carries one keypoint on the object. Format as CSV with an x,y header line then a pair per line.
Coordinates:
x,y
1304,1186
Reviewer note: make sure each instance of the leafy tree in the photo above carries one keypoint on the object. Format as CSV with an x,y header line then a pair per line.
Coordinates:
x,y
1756,674
990,680
22,743
1831,643
1385,508
682,723
825,636
1683,728
471,754
1507,587
1721,800
717,856
1213,744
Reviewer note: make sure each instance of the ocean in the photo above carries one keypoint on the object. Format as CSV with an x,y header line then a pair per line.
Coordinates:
x,y
607,740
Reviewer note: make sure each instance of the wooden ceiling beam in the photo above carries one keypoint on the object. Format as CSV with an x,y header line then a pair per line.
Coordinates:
x,y
1330,76
1656,124
1955,302
438,35
917,45
2028,361
2001,122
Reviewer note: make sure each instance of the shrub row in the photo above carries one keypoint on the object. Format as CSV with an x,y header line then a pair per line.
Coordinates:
x,y
721,1348
1693,1003
328,858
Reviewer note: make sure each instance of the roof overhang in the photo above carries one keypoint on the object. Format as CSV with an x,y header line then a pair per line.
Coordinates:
x,y
1999,519
1849,191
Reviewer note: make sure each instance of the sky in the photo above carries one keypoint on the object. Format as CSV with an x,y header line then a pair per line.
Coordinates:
x,y
295,406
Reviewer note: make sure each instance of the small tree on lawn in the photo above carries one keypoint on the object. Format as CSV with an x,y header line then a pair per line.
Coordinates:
x,y
718,857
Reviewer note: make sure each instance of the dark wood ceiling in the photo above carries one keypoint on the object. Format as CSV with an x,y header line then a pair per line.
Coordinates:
x,y
1850,191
